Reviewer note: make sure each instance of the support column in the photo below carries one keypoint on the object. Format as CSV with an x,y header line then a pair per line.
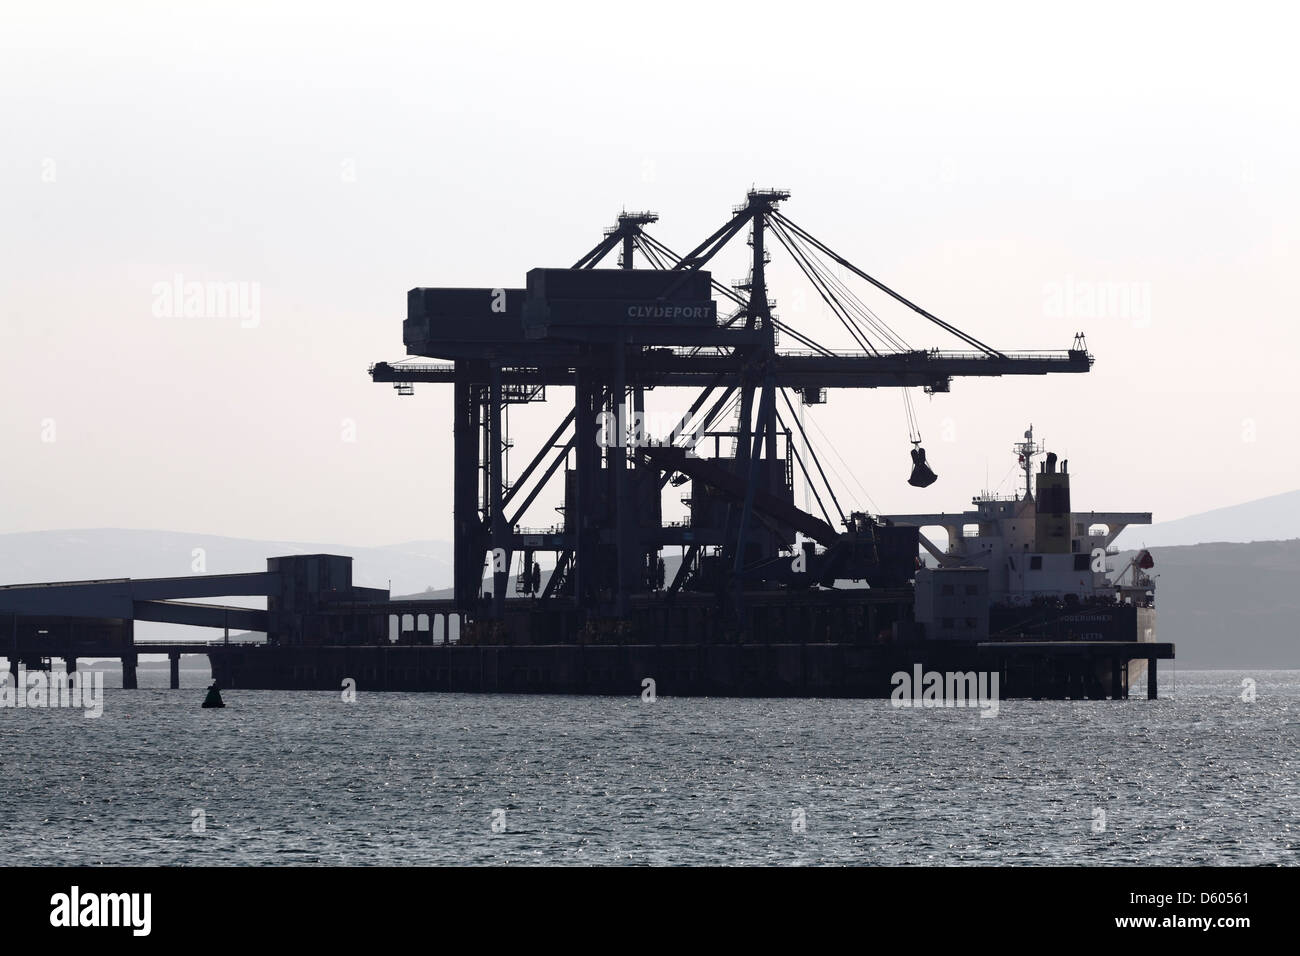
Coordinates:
x,y
638,415
496,476
1151,678
467,563
624,530
128,671
174,660
1117,691
70,666
751,485
586,466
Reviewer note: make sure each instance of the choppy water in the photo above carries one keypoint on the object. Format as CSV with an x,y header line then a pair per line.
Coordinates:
x,y
1201,777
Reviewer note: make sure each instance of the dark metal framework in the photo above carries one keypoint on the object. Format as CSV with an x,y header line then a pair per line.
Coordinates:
x,y
506,346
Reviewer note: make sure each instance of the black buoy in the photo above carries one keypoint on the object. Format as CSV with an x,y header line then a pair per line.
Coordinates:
x,y
214,697
922,475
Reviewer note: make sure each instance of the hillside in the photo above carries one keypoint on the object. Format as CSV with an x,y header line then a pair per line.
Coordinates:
x,y
1276,518
1229,605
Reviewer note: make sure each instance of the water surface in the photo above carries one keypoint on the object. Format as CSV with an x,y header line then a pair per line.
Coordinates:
x,y
1201,777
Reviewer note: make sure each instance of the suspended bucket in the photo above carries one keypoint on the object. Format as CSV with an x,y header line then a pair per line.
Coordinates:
x,y
922,476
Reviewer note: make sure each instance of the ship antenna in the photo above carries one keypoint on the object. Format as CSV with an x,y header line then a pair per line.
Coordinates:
x,y
1027,449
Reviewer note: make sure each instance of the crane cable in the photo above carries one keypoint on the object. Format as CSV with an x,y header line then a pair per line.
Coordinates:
x,y
817,243
836,307
854,308
913,427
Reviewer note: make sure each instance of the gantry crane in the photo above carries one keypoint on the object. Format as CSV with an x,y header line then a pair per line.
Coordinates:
x,y
612,334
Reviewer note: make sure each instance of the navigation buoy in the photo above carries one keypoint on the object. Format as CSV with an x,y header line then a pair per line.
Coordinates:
x,y
214,697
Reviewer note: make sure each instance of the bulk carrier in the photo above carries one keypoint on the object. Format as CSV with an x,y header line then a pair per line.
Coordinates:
x,y
1047,567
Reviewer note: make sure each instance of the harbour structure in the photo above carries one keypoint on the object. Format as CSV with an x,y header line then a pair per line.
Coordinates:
x,y
762,600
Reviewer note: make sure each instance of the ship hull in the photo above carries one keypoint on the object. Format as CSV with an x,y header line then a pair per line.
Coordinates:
x,y
1079,622
1082,670
1073,622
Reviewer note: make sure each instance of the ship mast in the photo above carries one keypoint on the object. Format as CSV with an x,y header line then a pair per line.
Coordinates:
x,y
1027,450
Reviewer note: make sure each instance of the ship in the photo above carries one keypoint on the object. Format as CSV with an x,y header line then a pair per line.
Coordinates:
x,y
1048,568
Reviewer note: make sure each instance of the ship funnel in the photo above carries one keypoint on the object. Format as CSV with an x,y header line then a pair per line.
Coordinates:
x,y
1052,513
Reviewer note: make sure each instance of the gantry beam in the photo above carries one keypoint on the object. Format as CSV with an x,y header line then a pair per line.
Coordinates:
x,y
668,368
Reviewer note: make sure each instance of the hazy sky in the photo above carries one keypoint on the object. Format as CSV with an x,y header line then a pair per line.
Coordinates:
x,y
995,163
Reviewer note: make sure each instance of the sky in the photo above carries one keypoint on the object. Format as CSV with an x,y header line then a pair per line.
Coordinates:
x,y
1022,171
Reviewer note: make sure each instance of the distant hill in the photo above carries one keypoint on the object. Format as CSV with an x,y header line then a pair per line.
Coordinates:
x,y
1275,518
1229,605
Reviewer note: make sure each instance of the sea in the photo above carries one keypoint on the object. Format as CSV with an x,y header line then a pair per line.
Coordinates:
x,y
1207,774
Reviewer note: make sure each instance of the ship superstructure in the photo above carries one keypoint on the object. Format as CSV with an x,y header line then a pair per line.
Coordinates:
x,y
1047,564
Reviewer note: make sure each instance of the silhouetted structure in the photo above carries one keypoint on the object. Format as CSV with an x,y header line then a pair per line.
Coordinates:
x,y
752,607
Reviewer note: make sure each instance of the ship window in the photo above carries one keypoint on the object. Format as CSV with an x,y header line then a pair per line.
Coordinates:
x,y
1082,561
947,589
972,589
1036,563
947,622
970,623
